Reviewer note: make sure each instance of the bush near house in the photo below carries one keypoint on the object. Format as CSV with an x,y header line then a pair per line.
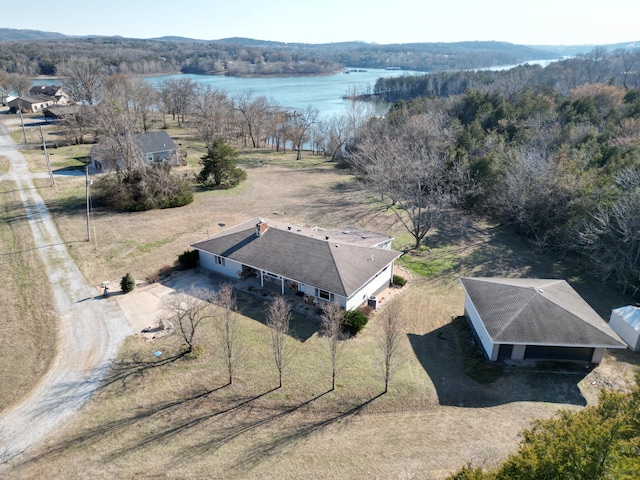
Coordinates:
x,y
188,259
354,321
128,283
399,281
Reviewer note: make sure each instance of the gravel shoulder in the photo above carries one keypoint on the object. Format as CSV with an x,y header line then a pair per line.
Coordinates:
x,y
90,332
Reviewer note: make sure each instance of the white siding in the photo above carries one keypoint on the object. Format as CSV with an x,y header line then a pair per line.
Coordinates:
x,y
229,269
382,280
490,349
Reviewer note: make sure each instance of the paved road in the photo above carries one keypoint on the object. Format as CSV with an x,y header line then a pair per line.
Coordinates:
x,y
91,329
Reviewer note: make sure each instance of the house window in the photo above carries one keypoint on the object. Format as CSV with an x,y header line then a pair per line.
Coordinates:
x,y
324,295
219,260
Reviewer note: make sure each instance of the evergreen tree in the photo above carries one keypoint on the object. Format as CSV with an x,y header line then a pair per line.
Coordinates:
x,y
219,166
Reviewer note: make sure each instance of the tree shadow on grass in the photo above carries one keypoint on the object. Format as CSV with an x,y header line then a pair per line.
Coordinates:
x,y
288,439
441,354
93,435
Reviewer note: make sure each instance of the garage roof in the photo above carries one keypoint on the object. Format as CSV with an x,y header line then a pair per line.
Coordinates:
x,y
538,312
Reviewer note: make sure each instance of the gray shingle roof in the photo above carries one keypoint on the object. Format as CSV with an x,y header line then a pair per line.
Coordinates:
x,y
537,311
326,264
154,142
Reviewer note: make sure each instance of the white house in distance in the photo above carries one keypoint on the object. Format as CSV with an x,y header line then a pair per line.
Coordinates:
x,y
625,321
347,266
523,318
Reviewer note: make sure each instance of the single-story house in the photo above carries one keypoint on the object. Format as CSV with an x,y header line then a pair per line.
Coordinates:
x,y
625,321
57,112
522,318
31,104
52,91
344,266
152,147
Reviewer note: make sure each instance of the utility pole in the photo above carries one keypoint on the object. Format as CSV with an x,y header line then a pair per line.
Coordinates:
x,y
46,156
24,132
88,182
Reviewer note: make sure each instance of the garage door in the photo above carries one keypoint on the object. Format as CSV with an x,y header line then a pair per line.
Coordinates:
x,y
584,354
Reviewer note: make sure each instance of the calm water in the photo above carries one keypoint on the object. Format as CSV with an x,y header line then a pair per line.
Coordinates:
x,y
322,92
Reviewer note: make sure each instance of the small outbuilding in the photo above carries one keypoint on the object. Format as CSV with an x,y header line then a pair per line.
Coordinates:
x,y
537,319
625,321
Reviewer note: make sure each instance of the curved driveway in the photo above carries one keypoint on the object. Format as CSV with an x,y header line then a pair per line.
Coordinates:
x,y
90,330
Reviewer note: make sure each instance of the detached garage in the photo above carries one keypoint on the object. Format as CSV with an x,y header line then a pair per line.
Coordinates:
x,y
625,321
521,318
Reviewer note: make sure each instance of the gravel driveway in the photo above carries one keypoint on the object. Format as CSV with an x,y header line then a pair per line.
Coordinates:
x,y
90,331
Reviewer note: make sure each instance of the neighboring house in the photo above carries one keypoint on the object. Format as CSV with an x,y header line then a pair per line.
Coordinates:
x,y
62,112
625,321
152,147
344,266
535,319
51,91
30,104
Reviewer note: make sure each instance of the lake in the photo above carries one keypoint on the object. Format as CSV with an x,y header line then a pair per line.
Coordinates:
x,y
321,92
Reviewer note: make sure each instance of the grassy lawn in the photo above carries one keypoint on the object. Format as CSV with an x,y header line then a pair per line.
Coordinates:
x,y
174,417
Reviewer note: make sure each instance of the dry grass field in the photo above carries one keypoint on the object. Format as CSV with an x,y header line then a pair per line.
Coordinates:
x,y
175,417
28,326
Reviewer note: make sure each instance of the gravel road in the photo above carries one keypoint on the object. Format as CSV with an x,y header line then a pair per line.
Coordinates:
x,y
90,329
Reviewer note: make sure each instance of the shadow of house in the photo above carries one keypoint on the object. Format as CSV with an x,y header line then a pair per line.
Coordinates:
x,y
441,356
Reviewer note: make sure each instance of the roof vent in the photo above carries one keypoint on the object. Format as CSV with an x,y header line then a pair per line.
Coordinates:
x,y
289,227
326,237
540,290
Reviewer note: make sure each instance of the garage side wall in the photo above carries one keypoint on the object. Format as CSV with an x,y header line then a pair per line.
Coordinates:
x,y
472,314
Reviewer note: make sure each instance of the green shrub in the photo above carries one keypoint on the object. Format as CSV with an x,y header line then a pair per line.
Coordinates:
x,y
146,188
399,281
188,259
354,321
128,283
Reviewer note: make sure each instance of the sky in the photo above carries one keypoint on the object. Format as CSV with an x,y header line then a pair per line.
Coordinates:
x,y
540,22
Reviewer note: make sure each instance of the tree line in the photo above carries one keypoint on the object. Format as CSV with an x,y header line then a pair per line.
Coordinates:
x,y
245,57
562,170
619,68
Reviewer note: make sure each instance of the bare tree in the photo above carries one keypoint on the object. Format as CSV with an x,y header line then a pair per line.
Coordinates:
x,y
177,97
254,111
612,236
332,323
20,84
188,311
298,127
211,108
390,342
82,78
410,167
143,99
117,128
228,327
278,319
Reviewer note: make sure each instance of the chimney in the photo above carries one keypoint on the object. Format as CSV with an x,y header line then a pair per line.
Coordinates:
x,y
261,227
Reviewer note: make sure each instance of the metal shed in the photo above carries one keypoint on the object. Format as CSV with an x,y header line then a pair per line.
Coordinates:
x,y
625,321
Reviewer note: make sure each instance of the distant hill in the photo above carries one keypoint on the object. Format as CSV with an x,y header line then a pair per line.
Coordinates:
x,y
14,35
39,53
